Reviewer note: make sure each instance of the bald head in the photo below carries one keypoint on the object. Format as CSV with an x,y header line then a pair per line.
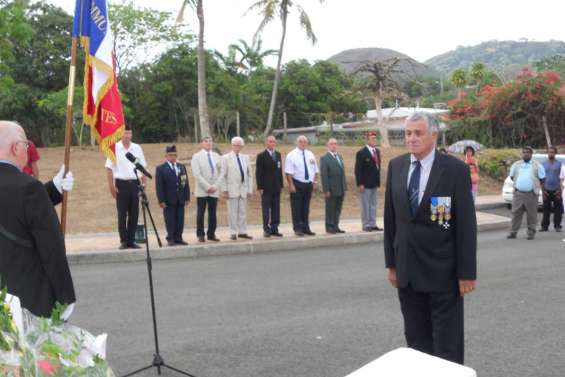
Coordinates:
x,y
12,143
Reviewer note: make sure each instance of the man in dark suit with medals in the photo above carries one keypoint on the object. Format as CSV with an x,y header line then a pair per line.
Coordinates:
x,y
268,174
173,194
368,180
430,240
334,185
33,263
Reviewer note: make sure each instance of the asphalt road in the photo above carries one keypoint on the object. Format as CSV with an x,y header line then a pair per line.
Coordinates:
x,y
321,312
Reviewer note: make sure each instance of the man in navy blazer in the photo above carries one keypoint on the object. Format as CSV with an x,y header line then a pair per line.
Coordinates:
x,y
173,193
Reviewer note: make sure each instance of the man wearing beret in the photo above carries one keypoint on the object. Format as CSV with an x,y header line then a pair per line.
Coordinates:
x,y
173,194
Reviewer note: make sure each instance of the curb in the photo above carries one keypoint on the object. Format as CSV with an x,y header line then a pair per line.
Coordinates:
x,y
239,248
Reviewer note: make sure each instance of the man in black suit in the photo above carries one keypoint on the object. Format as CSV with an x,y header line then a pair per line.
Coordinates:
x,y
268,174
368,179
334,185
430,240
173,194
33,264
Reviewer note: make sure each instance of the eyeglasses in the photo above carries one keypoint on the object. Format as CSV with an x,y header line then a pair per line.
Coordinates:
x,y
26,142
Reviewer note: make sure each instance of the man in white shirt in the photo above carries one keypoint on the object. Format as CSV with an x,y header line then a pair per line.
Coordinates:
x,y
301,172
236,186
123,185
207,174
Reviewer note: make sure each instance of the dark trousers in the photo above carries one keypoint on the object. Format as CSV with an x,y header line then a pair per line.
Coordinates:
x,y
271,207
127,202
333,212
552,202
201,204
300,206
433,322
174,221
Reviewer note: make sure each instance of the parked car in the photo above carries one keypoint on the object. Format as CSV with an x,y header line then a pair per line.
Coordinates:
x,y
508,187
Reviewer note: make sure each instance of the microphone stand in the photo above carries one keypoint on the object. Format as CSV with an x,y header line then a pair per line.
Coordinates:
x,y
158,361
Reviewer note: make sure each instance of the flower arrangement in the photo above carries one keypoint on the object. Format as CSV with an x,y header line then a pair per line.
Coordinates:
x,y
31,346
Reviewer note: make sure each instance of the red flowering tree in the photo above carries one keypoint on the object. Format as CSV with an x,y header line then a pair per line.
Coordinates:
x,y
528,110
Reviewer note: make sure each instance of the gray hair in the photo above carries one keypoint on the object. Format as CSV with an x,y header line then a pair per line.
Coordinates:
x,y
237,141
9,133
431,121
301,137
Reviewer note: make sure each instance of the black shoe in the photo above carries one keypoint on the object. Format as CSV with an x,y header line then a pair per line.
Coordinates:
x,y
201,239
340,230
368,229
543,230
133,246
530,237
123,246
299,233
245,235
376,228
213,238
331,231
309,233
276,234
558,229
266,234
233,237
171,243
511,236
181,242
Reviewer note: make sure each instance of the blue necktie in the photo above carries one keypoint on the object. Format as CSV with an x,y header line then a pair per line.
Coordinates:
x,y
414,188
210,163
240,168
306,175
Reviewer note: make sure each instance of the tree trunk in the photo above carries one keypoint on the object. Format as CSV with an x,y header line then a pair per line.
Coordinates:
x,y
380,121
546,130
201,57
277,76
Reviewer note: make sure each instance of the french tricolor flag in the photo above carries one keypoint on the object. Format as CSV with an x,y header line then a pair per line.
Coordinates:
x,y
102,110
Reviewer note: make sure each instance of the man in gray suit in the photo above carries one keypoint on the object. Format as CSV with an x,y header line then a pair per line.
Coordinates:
x,y
334,185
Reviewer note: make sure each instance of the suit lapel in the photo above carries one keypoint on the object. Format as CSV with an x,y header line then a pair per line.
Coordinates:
x,y
405,168
433,180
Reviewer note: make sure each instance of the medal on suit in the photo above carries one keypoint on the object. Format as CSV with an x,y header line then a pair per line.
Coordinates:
x,y
441,211
447,209
433,208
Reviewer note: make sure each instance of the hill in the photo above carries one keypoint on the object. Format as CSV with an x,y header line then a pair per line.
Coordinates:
x,y
350,60
506,57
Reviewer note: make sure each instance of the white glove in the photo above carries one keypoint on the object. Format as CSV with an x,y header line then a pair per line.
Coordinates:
x,y
68,311
63,183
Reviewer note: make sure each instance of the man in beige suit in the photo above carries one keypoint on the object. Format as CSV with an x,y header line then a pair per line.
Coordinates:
x,y
236,186
207,172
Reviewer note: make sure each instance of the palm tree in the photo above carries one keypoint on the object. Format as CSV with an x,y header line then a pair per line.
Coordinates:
x,y
477,73
381,83
201,57
251,55
459,79
269,9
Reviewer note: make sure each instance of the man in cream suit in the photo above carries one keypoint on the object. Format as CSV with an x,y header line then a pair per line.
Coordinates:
x,y
207,171
236,186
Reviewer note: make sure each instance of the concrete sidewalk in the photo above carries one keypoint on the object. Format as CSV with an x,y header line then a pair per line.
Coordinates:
x,y
102,247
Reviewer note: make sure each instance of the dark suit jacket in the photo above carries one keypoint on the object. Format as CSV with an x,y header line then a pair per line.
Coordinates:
x,y
367,173
172,189
426,255
333,175
38,273
268,173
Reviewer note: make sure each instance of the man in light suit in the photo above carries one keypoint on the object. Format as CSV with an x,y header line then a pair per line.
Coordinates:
x,y
236,186
334,186
207,174
430,240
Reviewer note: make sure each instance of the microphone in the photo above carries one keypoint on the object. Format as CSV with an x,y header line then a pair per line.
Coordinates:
x,y
138,165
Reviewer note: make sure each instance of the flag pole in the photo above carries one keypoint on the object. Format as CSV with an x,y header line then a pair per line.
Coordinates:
x,y
69,127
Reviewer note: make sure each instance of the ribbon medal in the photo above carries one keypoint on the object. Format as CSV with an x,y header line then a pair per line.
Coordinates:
x,y
433,208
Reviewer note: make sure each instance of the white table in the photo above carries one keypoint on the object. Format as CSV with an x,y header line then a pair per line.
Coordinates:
x,y
406,362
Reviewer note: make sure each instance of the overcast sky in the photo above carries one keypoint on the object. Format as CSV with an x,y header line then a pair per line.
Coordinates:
x,y
420,29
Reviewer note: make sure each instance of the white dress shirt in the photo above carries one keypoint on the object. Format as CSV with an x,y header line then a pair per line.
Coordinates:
x,y
427,163
294,165
123,168
174,167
